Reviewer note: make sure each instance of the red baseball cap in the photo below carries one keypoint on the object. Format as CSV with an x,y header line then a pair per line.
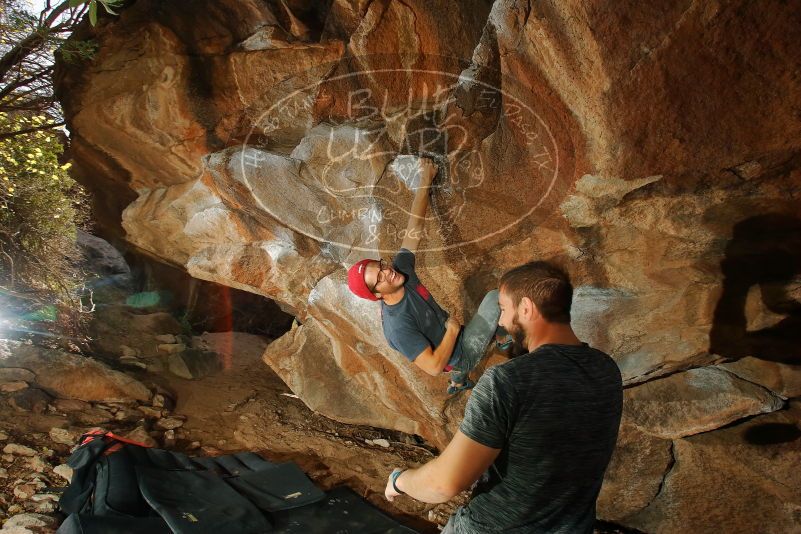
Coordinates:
x,y
356,281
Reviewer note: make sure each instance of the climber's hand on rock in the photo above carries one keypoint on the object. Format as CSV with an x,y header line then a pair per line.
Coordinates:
x,y
428,169
390,492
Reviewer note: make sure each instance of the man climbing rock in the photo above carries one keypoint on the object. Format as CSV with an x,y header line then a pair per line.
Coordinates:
x,y
538,430
414,324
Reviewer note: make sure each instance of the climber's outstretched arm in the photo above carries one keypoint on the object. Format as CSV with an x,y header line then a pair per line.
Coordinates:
x,y
460,464
414,230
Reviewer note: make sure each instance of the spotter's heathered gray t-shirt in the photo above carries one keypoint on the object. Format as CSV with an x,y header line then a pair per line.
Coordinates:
x,y
555,414
417,321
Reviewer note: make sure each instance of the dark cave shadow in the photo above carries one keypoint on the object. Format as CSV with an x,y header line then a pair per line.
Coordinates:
x,y
765,251
772,434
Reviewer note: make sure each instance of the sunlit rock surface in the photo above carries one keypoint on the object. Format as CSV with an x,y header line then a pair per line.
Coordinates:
x,y
651,149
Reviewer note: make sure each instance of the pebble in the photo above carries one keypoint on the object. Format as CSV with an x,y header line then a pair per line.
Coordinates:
x,y
37,464
162,401
29,520
24,492
71,405
172,348
128,352
63,436
19,450
381,442
169,439
8,458
3,473
64,471
169,423
45,507
133,362
140,435
11,387
14,509
42,497
3,436
150,412
165,338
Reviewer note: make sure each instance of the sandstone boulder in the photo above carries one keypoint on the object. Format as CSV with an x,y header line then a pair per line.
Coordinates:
x,y
70,376
635,474
694,401
783,379
651,150
119,331
737,476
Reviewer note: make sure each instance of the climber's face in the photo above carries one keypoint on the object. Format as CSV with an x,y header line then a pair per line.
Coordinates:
x,y
382,279
510,319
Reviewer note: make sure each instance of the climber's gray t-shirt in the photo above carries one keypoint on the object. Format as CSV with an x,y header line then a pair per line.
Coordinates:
x,y
554,413
417,321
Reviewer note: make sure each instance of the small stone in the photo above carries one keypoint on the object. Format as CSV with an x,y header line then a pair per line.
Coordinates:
x,y
127,415
11,387
42,497
8,458
108,407
3,473
24,492
164,401
3,436
140,435
45,507
381,442
194,445
748,170
178,367
166,338
30,400
128,352
13,509
133,362
64,471
158,401
18,450
71,405
29,520
171,348
94,416
37,464
63,436
169,423
220,443
149,412
13,374
169,438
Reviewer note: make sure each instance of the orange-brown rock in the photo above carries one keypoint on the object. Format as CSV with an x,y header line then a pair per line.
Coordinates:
x,y
654,150
70,376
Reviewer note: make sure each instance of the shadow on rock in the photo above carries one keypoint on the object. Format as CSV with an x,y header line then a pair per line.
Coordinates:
x,y
759,312
772,434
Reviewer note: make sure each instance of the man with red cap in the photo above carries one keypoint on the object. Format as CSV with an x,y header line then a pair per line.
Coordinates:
x,y
414,324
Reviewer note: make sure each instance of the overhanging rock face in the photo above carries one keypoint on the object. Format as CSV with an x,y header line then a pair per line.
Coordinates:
x,y
652,150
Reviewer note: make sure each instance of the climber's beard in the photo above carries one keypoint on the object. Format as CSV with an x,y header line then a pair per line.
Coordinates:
x,y
518,337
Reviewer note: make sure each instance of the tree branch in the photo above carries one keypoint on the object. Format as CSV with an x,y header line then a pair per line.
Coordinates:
x,y
7,135
33,41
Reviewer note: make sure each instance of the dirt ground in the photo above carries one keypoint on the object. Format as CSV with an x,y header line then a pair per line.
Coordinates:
x,y
243,407
247,407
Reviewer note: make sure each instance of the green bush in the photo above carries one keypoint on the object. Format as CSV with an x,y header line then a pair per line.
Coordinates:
x,y
40,209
